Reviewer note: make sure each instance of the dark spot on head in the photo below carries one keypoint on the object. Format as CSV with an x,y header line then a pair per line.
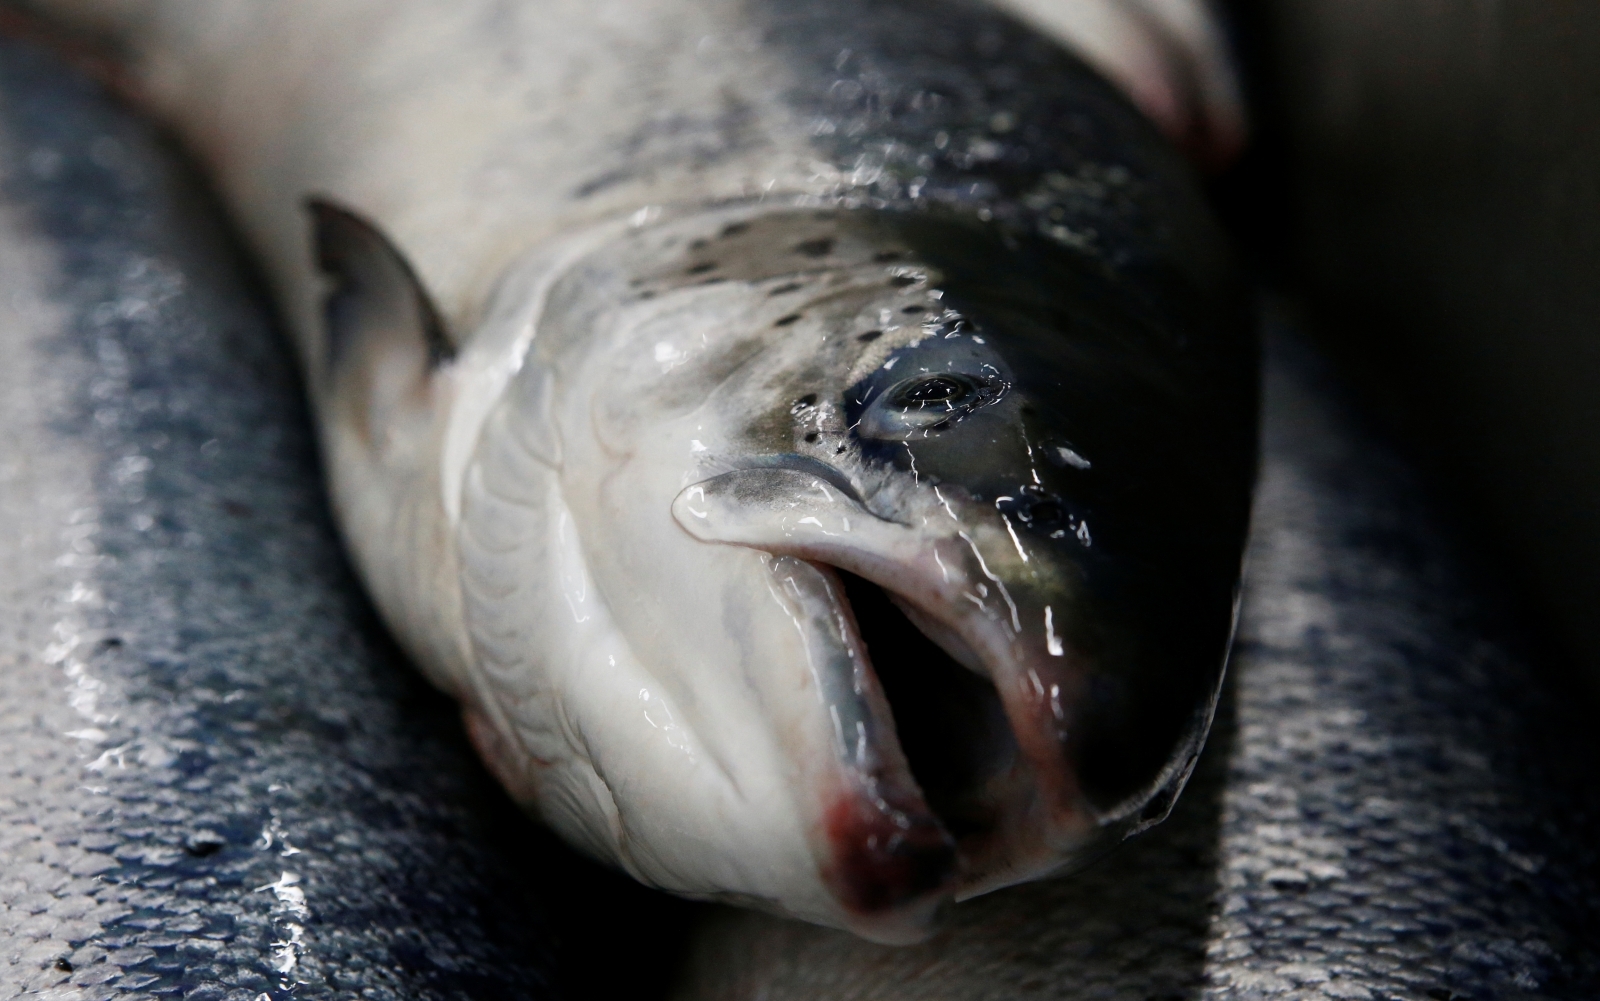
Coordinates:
x,y
735,228
784,321
901,281
784,288
64,965
701,268
869,336
812,436
1046,513
111,643
647,294
885,256
822,246
913,310
202,847
697,244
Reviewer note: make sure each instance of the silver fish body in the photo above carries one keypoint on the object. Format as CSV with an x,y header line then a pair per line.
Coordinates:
x,y
217,778
813,440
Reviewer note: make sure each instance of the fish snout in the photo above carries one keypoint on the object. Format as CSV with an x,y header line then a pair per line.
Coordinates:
x,y
961,770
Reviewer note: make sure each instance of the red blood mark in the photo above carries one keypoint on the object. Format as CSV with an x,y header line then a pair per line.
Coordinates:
x,y
883,858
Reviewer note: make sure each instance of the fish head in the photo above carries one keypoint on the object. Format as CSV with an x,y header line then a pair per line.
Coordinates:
x,y
928,533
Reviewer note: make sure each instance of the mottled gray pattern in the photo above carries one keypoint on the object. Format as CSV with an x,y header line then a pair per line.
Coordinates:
x,y
215,780
1390,806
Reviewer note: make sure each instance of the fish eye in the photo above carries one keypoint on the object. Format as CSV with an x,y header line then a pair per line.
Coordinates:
x,y
940,390
927,404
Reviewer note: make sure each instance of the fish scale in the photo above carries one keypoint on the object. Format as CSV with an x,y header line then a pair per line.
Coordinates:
x,y
217,780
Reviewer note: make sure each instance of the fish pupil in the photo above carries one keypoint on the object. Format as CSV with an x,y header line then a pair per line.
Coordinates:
x,y
939,389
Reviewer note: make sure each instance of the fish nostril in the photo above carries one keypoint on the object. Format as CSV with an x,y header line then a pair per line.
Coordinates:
x,y
1046,513
869,336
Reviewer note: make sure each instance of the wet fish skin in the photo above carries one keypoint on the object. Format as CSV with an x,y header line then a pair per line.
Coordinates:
x,y
1171,57
1394,802
218,780
533,513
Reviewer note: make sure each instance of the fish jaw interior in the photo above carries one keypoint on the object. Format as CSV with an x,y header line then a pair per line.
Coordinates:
x,y
1006,792
882,853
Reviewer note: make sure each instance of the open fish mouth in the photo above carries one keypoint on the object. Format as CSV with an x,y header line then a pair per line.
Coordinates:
x,y
955,697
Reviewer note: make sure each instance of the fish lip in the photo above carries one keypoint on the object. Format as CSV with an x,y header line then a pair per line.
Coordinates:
x,y
883,855
809,465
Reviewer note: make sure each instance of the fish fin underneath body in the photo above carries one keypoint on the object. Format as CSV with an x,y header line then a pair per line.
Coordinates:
x,y
384,381
385,338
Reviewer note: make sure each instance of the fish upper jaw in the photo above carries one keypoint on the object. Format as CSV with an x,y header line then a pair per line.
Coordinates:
x,y
1017,811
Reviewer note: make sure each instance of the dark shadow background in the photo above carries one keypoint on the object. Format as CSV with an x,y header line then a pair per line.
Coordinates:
x,y
1426,178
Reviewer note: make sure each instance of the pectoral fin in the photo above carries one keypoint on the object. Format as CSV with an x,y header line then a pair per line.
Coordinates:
x,y
384,336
